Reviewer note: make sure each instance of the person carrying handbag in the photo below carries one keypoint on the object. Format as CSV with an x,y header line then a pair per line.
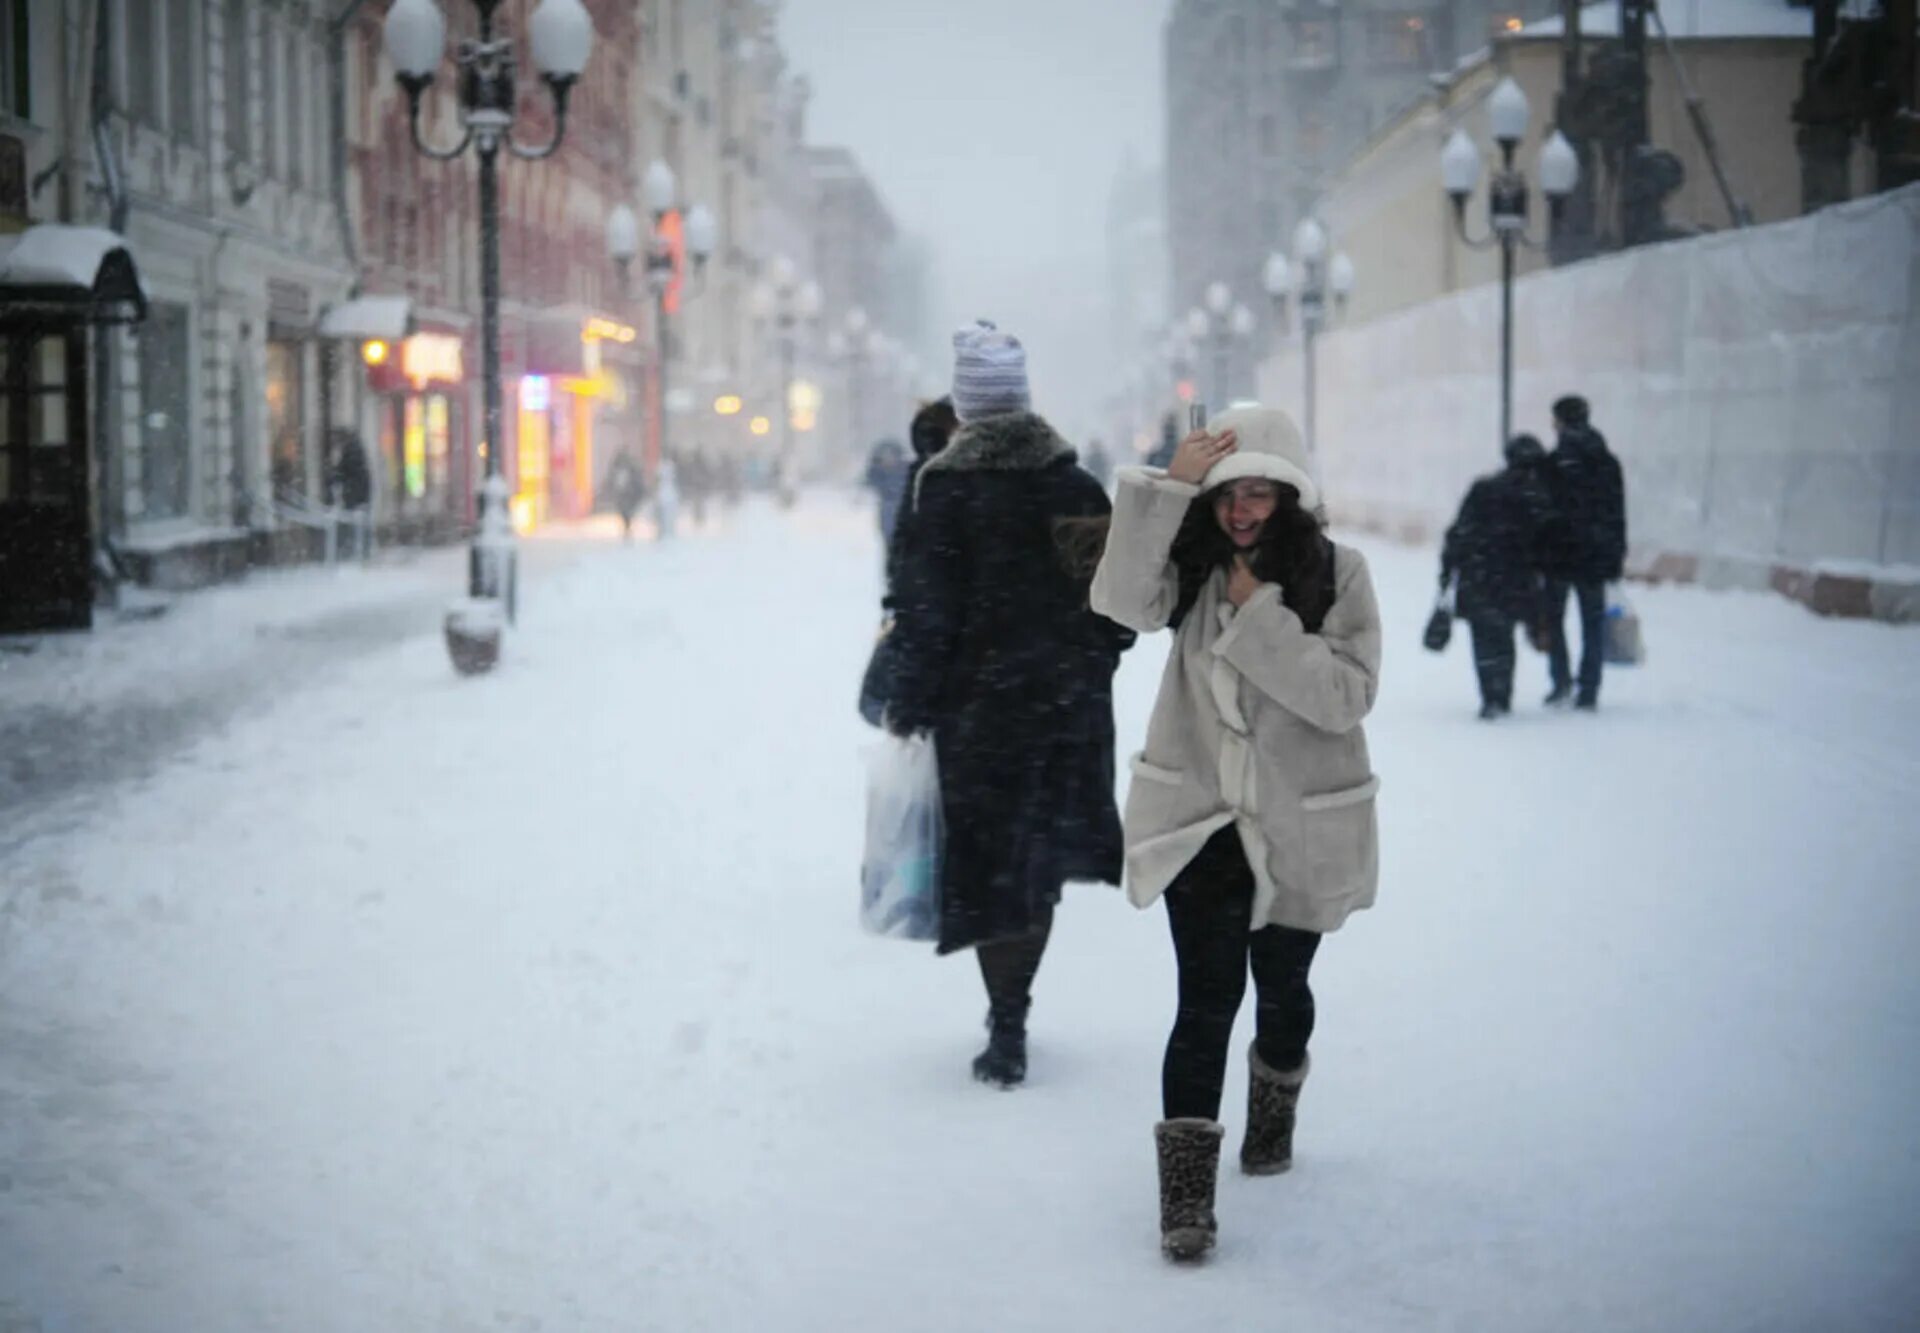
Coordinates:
x,y
1251,810
1491,560
997,656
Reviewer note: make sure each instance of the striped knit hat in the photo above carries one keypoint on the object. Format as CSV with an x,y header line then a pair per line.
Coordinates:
x,y
989,372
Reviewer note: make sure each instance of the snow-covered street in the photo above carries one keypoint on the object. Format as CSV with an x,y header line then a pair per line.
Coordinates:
x,y
537,1002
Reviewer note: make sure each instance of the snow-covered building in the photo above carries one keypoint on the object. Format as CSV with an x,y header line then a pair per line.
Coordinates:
x,y
221,169
1743,58
1266,98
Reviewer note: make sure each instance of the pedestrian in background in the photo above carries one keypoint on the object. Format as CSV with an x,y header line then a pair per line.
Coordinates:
x,y
626,490
1585,548
666,499
886,477
1251,810
1001,659
1491,559
930,431
350,489
1162,454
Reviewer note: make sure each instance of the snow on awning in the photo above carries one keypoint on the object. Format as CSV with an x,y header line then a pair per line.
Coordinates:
x,y
84,273
386,317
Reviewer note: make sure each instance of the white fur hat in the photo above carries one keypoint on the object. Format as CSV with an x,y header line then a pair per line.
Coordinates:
x,y
1270,446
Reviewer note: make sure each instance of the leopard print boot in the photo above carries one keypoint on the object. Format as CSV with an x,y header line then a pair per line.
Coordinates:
x,y
1272,1098
1189,1166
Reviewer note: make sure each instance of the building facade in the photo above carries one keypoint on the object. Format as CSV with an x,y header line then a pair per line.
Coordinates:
x,y
1387,210
1266,98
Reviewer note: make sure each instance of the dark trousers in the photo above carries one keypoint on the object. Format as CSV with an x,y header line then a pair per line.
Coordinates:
x,y
1593,630
1209,907
1493,659
1008,968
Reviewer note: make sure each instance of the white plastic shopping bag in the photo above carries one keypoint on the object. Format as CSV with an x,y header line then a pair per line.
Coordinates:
x,y
900,873
1624,645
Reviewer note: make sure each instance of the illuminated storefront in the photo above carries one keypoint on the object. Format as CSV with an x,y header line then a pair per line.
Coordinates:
x,y
574,393
421,462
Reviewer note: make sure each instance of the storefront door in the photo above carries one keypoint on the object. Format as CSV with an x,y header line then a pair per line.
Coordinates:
x,y
46,536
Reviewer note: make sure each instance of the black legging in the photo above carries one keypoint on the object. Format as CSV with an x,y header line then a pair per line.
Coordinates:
x,y
1210,906
1009,966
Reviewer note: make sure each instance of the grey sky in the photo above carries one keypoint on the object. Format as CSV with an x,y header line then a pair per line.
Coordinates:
x,y
994,128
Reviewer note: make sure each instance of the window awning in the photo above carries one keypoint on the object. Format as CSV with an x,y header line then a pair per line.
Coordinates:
x,y
81,273
364,317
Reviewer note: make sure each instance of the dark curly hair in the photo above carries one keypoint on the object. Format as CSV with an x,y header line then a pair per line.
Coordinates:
x,y
1291,551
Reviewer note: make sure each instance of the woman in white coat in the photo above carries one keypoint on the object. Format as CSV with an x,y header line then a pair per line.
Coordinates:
x,y
1251,810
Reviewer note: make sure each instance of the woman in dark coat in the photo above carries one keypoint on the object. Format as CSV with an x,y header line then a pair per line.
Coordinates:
x,y
1002,660
1492,556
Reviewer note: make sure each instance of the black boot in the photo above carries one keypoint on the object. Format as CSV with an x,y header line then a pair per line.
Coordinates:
x,y
1189,1151
1004,1062
1272,1098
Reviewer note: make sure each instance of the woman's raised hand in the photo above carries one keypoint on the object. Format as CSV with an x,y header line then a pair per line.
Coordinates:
x,y
1198,453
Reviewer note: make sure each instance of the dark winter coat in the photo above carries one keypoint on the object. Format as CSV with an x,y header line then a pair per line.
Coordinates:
x,y
1587,539
1493,549
887,473
352,479
625,487
1002,660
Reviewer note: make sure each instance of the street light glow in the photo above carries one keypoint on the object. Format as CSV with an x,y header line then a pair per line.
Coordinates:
x,y
760,425
375,351
728,405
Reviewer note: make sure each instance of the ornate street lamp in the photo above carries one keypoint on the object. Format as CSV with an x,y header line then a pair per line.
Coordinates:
x,y
1215,327
789,303
1314,278
1460,163
560,38
660,190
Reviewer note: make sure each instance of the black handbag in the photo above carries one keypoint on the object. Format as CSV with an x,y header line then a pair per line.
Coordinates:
x,y
1439,626
876,685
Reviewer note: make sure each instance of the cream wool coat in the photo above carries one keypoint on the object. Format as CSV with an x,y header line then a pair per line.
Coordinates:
x,y
1257,724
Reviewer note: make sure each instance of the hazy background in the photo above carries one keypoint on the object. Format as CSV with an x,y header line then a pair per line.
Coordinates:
x,y
993,130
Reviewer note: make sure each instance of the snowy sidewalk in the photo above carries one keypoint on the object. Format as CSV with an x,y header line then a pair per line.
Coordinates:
x,y
81,712
536,1003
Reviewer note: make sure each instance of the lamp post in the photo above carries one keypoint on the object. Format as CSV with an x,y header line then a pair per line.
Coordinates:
x,y
1313,277
1460,164
560,38
661,189
788,303
1215,327
852,346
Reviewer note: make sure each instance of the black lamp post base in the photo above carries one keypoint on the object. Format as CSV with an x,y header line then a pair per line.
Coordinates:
x,y
473,632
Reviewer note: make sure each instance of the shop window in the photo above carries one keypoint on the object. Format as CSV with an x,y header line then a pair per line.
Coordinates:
x,y
296,110
182,64
1315,43
1397,41
16,60
269,96
1313,136
165,443
143,71
286,406
239,121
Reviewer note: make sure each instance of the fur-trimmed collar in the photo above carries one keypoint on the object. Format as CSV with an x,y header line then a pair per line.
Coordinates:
x,y
1004,442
